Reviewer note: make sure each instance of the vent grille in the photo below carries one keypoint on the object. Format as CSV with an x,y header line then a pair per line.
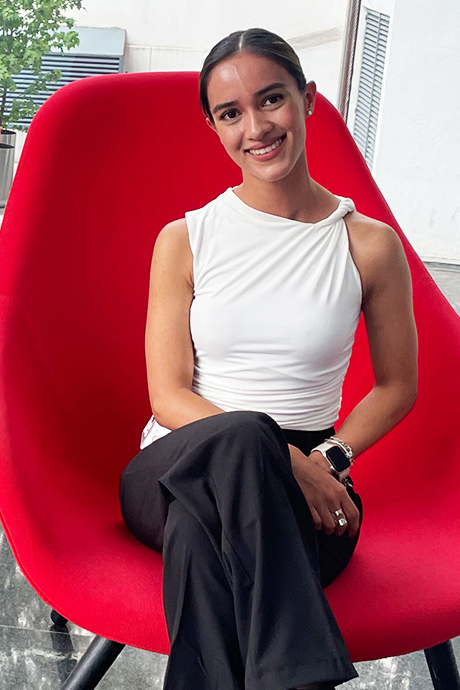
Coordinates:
x,y
72,67
370,83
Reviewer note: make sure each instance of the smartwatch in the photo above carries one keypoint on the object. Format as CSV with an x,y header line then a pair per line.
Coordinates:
x,y
338,460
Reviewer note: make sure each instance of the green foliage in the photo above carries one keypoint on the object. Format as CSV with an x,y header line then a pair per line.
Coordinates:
x,y
28,31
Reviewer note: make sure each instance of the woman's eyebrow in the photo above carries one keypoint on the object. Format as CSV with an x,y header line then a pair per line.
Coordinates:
x,y
275,85
230,104
221,106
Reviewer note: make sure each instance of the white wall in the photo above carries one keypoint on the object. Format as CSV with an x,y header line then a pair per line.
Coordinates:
x,y
201,23
417,160
177,35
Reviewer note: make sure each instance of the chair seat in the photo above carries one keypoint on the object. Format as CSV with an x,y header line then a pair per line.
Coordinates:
x,y
391,599
403,601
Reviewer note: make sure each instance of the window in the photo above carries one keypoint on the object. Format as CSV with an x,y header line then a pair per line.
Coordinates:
x,y
100,52
370,83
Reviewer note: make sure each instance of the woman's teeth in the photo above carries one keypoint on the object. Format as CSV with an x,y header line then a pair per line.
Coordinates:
x,y
259,152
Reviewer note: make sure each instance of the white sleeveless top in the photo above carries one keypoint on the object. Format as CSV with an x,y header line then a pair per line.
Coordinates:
x,y
274,314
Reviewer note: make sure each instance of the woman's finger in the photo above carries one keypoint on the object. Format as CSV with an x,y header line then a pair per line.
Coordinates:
x,y
341,522
344,513
327,519
346,518
316,518
351,515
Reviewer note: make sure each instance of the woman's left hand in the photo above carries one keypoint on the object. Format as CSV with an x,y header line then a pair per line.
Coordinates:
x,y
323,493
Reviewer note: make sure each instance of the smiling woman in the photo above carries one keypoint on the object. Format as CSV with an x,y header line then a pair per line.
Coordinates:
x,y
242,481
267,123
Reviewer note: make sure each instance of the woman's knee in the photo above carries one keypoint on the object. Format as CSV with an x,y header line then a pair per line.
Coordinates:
x,y
249,424
249,442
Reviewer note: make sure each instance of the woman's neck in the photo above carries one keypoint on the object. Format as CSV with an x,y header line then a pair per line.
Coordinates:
x,y
296,196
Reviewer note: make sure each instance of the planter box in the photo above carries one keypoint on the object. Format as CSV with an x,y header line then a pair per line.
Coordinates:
x,y
7,141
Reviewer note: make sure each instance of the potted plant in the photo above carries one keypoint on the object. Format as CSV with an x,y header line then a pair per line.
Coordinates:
x,y
29,29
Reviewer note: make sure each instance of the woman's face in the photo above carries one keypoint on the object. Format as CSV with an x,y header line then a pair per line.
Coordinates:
x,y
259,114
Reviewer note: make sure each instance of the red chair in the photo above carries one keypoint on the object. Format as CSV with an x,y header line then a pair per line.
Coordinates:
x,y
107,162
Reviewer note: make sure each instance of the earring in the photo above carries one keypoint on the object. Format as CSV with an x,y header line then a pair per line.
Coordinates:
x,y
309,113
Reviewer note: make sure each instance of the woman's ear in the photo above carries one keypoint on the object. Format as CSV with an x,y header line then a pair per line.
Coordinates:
x,y
310,97
211,124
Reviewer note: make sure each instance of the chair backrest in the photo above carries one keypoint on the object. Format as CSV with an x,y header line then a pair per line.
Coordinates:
x,y
107,162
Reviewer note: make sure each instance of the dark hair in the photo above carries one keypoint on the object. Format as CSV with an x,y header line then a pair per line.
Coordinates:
x,y
257,41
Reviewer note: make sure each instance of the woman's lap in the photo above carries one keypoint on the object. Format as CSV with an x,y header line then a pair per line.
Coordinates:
x,y
145,501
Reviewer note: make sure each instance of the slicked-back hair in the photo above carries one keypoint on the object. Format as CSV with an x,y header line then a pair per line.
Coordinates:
x,y
258,42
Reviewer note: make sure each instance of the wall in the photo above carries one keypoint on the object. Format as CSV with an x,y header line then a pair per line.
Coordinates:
x,y
417,159
180,36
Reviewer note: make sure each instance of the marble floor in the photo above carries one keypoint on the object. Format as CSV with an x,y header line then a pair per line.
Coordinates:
x,y
35,656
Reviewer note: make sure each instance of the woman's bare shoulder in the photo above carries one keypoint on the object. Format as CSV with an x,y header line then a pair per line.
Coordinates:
x,y
375,247
172,248
173,236
371,235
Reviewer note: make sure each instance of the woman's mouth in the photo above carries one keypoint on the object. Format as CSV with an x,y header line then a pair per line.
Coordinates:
x,y
267,149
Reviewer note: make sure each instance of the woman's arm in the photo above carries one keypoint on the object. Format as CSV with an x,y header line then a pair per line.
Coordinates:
x,y
390,325
168,343
392,337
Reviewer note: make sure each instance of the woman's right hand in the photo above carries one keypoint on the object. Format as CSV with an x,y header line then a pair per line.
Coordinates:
x,y
323,493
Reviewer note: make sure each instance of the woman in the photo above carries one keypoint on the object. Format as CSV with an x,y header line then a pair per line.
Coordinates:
x,y
242,482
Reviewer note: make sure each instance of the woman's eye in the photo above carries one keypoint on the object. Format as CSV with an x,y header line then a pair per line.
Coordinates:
x,y
273,98
229,115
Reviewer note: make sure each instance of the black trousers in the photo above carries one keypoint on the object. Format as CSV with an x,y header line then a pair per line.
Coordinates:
x,y
244,566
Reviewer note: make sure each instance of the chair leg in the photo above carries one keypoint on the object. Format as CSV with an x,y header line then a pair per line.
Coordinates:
x,y
443,666
58,620
93,665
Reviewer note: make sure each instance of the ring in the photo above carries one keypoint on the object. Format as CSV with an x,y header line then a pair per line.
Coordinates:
x,y
340,517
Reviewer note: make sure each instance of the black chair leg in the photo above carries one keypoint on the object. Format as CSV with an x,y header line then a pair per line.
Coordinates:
x,y
443,666
93,665
58,620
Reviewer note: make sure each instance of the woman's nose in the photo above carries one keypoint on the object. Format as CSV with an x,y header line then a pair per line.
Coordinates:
x,y
257,125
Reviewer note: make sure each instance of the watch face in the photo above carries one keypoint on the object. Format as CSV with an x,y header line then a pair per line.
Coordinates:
x,y
338,458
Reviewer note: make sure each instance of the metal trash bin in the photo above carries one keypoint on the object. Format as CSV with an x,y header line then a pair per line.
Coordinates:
x,y
7,142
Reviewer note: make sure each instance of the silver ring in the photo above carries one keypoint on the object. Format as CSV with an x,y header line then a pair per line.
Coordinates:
x,y
342,522
338,513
